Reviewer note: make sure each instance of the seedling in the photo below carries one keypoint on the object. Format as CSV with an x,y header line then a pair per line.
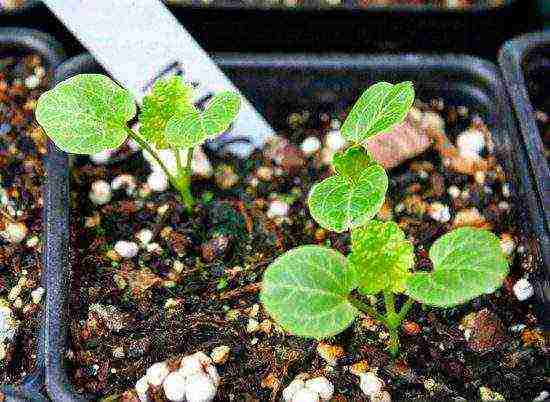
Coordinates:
x,y
316,292
89,113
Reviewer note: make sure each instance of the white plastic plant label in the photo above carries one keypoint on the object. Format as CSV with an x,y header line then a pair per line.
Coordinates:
x,y
138,41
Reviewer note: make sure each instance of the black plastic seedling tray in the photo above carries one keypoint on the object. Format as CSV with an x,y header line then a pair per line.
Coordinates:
x,y
232,27
479,31
15,41
525,62
275,82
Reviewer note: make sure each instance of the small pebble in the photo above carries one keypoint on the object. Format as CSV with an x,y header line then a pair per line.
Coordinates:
x,y
37,294
335,141
503,205
507,243
126,249
313,390
310,145
33,241
157,181
141,389
487,394
101,192
277,209
370,384
264,173
432,121
14,292
157,373
32,81
15,232
252,326
471,143
322,386
8,323
220,354
101,157
439,212
523,289
144,236
124,180
174,387
454,191
330,353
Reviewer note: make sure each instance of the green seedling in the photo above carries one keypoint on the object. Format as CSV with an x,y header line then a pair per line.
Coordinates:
x,y
317,292
89,113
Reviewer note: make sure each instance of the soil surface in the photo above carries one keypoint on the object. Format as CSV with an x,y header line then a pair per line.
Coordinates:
x,y
22,147
194,285
444,4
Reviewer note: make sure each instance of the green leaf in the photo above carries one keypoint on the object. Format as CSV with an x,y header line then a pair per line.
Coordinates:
x,y
340,203
86,114
352,162
381,257
467,263
306,291
169,97
379,108
193,127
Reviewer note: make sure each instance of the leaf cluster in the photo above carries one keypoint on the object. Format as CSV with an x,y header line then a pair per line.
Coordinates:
x,y
89,113
307,290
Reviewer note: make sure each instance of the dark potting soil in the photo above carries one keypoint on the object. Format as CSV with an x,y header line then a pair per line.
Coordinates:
x,y
194,285
22,147
444,4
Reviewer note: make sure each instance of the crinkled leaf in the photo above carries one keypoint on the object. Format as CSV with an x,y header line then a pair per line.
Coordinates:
x,y
193,126
467,263
305,291
86,114
352,162
169,97
380,107
340,203
381,257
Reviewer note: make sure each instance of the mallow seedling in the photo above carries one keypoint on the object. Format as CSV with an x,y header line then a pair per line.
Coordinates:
x,y
314,291
89,113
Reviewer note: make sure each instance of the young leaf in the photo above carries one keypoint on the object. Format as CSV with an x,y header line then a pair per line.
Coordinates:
x,y
86,114
193,127
467,263
168,97
305,290
352,197
381,257
352,162
380,107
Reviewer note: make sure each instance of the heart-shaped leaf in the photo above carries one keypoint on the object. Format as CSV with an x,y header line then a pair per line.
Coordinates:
x,y
340,203
306,292
169,97
193,126
467,263
86,114
381,257
380,107
352,162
